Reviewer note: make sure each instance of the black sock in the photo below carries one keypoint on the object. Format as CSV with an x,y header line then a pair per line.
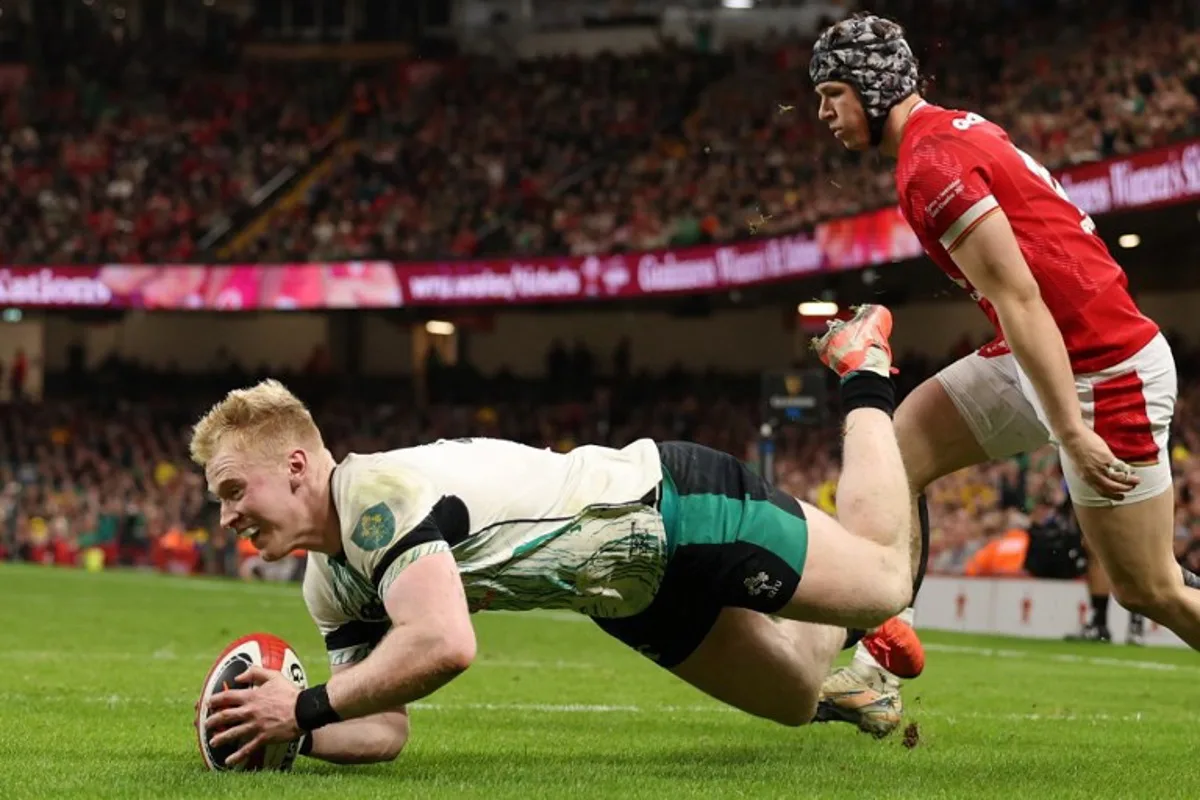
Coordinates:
x,y
853,637
1190,578
1100,610
868,390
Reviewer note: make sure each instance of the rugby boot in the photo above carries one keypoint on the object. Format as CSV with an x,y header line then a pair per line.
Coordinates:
x,y
859,343
862,696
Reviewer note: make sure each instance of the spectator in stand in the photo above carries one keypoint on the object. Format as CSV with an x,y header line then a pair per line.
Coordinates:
x,y
565,155
1003,554
132,150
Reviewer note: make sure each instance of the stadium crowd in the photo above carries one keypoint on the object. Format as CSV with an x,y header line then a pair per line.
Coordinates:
x,y
134,150
618,173
98,472
130,152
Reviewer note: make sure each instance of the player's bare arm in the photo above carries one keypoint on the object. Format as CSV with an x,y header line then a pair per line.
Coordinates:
x,y
991,259
363,740
431,642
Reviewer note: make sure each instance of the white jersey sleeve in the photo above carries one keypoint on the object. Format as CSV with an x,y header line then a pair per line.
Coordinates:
x,y
350,629
384,509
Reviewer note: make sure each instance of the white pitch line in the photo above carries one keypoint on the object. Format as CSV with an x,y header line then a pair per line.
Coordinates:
x,y
284,594
1064,658
185,703
166,654
64,655
951,718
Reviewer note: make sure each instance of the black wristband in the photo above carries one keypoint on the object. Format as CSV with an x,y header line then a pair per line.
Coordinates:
x,y
306,745
868,390
313,709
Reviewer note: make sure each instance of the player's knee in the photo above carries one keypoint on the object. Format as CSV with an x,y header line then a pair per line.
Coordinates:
x,y
880,602
893,594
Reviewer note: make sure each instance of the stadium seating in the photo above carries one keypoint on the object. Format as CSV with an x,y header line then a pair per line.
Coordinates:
x,y
557,155
132,153
475,173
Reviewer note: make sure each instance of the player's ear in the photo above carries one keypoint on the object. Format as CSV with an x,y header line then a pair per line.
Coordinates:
x,y
297,467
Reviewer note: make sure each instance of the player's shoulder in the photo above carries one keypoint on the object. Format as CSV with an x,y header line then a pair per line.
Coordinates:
x,y
942,145
928,119
934,130
468,450
379,497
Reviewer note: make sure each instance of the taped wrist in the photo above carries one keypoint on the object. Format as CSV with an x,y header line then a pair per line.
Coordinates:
x,y
313,709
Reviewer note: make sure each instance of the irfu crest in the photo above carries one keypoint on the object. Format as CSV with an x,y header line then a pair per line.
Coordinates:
x,y
375,528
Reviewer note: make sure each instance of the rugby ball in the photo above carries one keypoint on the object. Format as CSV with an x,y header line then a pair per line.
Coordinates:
x,y
257,649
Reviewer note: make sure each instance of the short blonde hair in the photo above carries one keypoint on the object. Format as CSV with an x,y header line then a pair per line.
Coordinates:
x,y
264,417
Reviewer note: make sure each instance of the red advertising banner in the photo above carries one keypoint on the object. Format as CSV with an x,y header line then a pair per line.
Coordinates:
x,y
1143,180
876,238
684,271
1155,177
354,284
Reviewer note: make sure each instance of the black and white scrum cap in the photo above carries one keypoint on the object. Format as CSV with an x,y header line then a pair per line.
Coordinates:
x,y
871,54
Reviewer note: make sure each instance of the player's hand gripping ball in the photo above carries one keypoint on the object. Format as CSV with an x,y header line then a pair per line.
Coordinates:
x,y
256,650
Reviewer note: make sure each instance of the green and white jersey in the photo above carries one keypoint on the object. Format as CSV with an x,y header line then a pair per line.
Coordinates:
x,y
528,528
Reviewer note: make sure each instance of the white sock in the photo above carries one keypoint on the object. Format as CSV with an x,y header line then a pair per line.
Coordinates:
x,y
863,659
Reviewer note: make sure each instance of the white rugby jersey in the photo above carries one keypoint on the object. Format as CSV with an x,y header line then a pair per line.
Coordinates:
x,y
528,528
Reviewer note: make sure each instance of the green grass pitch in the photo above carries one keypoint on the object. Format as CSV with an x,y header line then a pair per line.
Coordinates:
x,y
101,672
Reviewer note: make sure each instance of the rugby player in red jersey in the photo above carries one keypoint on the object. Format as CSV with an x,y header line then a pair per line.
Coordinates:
x,y
1074,361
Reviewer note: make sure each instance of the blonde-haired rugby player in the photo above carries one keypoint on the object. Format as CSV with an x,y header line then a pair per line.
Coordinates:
x,y
677,550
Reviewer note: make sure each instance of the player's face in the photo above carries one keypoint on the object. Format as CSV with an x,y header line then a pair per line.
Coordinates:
x,y
259,498
843,112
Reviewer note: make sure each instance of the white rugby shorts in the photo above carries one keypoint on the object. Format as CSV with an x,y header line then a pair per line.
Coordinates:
x,y
1129,404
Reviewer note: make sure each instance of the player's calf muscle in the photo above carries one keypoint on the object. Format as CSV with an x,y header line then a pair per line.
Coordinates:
x,y
873,497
